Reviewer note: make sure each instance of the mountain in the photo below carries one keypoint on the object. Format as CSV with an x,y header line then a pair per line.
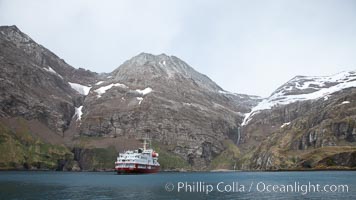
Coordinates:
x,y
55,116
189,117
35,81
303,88
163,97
37,102
309,122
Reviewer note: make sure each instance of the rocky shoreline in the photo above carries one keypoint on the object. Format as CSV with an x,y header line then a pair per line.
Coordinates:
x,y
193,171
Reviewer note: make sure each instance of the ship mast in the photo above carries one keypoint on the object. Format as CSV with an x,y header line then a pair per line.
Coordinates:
x,y
144,143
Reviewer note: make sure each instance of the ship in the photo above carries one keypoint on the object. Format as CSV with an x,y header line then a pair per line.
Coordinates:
x,y
140,161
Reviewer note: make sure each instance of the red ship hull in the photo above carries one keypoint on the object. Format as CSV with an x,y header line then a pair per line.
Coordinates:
x,y
153,169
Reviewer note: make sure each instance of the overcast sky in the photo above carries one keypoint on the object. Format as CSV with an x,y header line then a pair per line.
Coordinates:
x,y
247,46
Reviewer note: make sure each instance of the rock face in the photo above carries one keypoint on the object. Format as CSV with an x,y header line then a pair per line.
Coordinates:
x,y
165,98
34,81
303,123
57,117
37,103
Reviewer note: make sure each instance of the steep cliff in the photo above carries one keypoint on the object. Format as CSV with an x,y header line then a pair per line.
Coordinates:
x,y
37,102
35,82
309,122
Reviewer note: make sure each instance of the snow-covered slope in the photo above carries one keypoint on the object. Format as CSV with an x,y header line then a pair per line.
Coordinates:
x,y
103,89
81,89
302,88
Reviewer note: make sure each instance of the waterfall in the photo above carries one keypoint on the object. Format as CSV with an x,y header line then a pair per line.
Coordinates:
x,y
238,135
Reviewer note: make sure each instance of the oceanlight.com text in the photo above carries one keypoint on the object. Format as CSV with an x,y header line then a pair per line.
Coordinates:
x,y
258,186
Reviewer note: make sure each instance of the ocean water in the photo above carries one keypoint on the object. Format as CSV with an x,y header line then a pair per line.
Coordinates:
x,y
198,185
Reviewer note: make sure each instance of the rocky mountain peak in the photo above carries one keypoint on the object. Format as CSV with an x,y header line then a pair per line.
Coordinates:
x,y
12,33
170,65
146,69
143,57
14,41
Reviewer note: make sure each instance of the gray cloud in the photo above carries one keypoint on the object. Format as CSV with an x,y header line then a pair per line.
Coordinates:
x,y
245,46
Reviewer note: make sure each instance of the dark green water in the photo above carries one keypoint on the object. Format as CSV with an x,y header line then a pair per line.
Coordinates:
x,y
229,185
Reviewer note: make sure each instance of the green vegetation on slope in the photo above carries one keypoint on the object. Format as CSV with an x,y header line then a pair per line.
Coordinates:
x,y
98,158
20,150
169,160
228,158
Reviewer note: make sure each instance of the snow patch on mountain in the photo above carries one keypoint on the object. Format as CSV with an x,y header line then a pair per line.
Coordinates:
x,y
100,91
140,99
81,89
226,92
144,91
78,113
99,83
345,102
51,70
285,124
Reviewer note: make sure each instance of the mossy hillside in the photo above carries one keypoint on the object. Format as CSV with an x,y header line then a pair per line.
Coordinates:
x,y
228,158
104,158
98,158
314,156
169,160
20,150
280,147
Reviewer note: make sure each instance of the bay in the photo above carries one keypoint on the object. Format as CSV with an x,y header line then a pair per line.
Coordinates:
x,y
171,185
